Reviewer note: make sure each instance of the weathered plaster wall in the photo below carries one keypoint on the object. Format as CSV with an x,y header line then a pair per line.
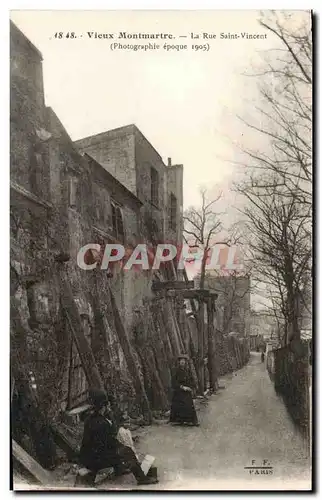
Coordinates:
x,y
116,153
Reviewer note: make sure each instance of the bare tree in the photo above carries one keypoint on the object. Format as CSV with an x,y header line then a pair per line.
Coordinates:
x,y
200,226
284,109
281,248
278,182
234,290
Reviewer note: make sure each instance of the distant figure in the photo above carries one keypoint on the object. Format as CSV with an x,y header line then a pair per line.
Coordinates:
x,y
182,408
100,447
263,357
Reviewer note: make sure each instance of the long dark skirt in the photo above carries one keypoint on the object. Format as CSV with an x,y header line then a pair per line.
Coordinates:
x,y
182,408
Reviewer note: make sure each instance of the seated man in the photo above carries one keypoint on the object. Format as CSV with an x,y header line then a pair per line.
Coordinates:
x,y
100,448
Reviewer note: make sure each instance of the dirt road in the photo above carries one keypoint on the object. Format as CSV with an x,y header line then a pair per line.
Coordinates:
x,y
244,425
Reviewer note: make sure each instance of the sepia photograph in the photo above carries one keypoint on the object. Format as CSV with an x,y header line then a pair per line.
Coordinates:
x,y
161,250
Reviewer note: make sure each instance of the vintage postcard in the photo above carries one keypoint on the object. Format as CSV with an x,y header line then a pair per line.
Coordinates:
x,y
161,250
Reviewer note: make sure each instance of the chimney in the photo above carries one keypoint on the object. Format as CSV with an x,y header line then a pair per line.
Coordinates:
x,y
169,162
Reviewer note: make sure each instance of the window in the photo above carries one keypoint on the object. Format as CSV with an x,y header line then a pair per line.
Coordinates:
x,y
117,221
173,212
154,187
101,206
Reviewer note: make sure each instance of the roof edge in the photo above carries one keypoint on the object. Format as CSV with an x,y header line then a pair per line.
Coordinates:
x,y
26,39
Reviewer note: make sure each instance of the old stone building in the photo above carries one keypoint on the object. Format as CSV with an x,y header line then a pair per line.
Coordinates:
x,y
70,327
263,324
130,158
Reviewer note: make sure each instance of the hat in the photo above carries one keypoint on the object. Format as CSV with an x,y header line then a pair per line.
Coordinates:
x,y
183,356
98,398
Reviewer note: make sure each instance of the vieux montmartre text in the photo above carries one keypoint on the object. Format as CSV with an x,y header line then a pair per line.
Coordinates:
x,y
131,36
125,35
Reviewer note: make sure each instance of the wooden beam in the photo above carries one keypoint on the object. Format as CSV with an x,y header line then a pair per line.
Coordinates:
x,y
29,463
79,409
195,314
201,343
212,368
193,294
192,303
172,285
76,327
128,354
29,195
64,443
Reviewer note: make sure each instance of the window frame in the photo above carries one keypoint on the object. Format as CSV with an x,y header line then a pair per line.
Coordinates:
x,y
117,215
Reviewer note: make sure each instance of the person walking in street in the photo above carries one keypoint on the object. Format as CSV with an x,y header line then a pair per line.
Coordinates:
x,y
263,356
100,447
182,408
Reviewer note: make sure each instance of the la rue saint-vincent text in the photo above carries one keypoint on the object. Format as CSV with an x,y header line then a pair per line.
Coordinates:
x,y
169,36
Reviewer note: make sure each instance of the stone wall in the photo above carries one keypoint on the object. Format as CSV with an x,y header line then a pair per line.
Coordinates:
x,y
292,382
174,175
115,151
29,154
129,157
133,334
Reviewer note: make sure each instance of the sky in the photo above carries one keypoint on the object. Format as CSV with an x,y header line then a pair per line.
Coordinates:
x,y
184,102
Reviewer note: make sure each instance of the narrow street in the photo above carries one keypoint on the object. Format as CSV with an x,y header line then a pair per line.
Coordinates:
x,y
245,421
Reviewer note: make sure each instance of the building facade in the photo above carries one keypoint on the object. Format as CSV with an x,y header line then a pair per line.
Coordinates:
x,y
131,159
113,188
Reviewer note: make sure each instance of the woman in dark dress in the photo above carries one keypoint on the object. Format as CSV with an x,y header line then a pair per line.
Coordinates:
x,y
182,408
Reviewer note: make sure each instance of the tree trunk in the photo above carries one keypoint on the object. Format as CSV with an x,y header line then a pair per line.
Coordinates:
x,y
202,325
176,329
192,351
180,316
171,329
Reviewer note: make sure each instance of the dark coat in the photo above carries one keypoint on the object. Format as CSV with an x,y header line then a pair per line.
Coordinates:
x,y
182,408
99,447
182,376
